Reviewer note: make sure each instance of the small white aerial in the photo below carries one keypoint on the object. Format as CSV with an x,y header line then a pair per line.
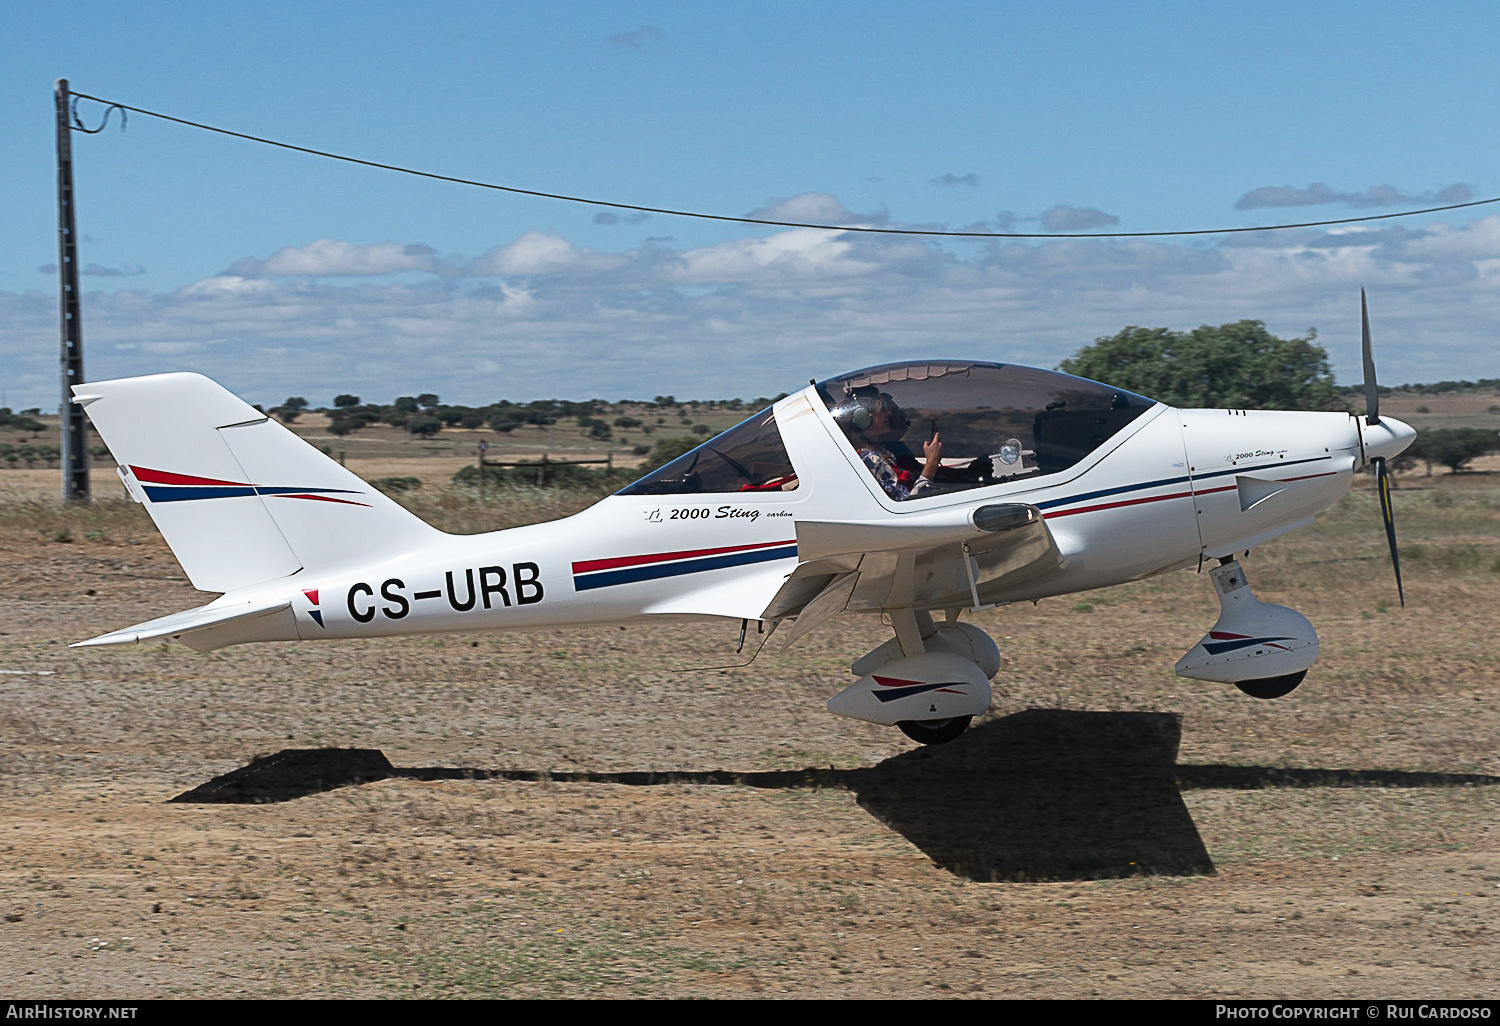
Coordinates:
x,y
1029,483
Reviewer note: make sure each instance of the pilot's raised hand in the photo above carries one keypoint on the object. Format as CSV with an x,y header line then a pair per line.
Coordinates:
x,y
934,452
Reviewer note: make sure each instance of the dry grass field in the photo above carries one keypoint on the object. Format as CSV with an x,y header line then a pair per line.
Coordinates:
x,y
583,813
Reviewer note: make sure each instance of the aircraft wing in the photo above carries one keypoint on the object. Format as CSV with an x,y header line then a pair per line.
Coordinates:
x,y
866,567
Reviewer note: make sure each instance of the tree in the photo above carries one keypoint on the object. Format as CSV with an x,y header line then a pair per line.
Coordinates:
x,y
1233,366
424,425
507,420
665,451
1454,448
346,399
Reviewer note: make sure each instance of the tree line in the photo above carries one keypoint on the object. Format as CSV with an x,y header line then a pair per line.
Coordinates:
x,y
426,415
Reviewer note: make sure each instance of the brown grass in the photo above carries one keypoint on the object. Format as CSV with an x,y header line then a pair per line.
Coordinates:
x,y
1149,836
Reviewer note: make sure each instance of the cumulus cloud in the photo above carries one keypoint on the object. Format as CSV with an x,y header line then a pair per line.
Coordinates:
x,y
755,314
336,258
637,39
1318,194
539,253
950,178
1076,219
802,254
815,208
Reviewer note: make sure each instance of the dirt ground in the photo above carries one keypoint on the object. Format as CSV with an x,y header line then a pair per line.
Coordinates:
x,y
589,813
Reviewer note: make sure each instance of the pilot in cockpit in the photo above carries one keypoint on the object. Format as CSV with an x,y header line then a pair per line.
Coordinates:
x,y
875,425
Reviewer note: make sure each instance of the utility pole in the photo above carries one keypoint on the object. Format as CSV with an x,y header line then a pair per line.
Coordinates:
x,y
75,451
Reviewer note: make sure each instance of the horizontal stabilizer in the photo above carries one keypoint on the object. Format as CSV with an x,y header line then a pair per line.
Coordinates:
x,y
205,628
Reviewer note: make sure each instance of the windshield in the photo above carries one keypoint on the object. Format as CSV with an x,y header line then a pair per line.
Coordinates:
x,y
931,427
749,457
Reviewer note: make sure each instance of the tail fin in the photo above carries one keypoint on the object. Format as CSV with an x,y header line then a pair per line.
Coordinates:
x,y
239,498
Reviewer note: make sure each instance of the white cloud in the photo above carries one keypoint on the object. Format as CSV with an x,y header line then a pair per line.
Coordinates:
x,y
538,253
815,208
803,254
754,315
1477,240
336,258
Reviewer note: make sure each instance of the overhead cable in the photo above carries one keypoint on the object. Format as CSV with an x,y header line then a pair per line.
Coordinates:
x,y
766,221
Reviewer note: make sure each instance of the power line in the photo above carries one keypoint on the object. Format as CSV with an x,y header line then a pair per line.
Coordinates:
x,y
764,221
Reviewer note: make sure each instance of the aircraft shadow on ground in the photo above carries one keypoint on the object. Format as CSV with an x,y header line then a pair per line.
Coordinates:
x,y
1040,795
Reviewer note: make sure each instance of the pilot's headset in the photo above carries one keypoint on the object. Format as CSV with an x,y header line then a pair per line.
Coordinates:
x,y
858,411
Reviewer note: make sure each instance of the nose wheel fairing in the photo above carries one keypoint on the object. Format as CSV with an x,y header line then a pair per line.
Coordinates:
x,y
1253,643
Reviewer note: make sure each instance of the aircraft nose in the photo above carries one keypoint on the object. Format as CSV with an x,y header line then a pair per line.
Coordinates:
x,y
1387,439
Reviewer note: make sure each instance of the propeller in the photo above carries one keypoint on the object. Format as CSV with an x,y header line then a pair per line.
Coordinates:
x,y
1372,418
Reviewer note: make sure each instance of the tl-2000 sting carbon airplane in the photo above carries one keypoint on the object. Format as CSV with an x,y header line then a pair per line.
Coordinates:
x,y
1031,483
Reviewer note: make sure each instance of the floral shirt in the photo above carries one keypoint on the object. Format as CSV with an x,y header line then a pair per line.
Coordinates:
x,y
897,484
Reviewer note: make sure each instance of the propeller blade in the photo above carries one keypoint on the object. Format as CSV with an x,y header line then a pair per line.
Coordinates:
x,y
1372,391
1388,515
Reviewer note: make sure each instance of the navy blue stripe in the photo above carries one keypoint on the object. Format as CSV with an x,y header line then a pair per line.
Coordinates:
x,y
262,489
177,493
632,574
891,694
1049,504
1111,491
1216,647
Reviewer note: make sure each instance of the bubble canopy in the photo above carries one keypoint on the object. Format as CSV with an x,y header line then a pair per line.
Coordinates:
x,y
996,422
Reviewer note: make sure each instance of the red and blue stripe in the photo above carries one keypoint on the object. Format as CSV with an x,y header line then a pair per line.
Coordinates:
x,y
1191,480
590,574
164,486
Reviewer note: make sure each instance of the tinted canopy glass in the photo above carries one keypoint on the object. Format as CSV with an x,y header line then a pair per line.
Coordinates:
x,y
749,457
995,422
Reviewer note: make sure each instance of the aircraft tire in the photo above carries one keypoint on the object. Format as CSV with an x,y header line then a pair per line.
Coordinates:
x,y
1272,687
934,732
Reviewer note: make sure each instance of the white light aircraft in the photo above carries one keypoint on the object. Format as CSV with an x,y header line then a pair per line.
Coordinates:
x,y
1031,483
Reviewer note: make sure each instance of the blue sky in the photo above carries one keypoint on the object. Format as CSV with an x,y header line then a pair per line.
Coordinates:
x,y
283,274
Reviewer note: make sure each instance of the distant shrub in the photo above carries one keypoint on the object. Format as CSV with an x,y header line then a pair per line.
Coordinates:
x,y
1454,448
424,425
664,452
394,485
602,480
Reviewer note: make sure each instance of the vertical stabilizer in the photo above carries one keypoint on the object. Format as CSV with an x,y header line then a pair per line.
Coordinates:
x,y
239,498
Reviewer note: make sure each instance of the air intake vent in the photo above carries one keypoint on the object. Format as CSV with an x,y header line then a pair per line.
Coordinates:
x,y
1005,516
